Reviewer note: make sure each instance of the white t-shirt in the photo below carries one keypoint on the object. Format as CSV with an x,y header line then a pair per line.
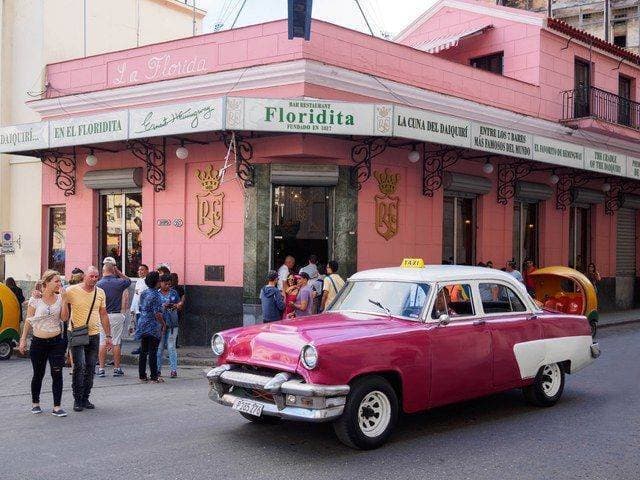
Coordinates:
x,y
141,286
283,273
310,269
44,309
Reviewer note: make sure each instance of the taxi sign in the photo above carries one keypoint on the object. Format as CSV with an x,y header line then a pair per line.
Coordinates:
x,y
412,263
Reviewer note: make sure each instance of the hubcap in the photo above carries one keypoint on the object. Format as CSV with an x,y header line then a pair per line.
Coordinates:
x,y
374,414
4,349
551,379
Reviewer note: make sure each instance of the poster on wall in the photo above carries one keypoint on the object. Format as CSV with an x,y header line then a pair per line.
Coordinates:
x,y
183,118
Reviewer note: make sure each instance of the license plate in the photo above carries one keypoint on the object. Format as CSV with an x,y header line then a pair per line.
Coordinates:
x,y
247,406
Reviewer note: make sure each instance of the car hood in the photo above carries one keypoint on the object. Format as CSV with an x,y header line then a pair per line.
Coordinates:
x,y
278,344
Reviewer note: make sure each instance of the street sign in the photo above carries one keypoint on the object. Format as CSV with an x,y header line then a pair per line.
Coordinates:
x,y
7,243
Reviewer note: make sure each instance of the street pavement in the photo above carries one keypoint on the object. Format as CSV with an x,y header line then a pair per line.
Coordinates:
x,y
173,431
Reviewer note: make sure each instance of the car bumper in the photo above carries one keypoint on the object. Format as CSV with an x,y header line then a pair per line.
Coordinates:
x,y
292,398
595,350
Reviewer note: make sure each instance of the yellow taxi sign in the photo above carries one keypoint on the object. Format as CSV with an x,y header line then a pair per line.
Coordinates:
x,y
412,263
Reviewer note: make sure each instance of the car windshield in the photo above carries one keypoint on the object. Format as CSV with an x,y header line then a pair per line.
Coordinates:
x,y
398,299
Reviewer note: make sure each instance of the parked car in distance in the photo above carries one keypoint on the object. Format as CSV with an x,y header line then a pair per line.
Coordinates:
x,y
398,340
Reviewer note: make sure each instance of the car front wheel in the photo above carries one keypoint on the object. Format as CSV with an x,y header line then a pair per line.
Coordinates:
x,y
547,387
370,414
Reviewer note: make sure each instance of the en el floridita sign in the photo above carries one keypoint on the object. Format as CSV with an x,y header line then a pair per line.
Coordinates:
x,y
316,116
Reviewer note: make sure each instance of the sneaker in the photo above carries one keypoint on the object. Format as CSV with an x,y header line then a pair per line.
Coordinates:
x,y
118,372
88,405
101,373
77,406
59,413
174,374
36,410
135,352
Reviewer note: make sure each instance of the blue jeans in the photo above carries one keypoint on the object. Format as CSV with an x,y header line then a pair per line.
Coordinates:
x,y
84,364
169,339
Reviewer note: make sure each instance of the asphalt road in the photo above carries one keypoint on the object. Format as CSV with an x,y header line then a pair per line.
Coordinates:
x,y
174,431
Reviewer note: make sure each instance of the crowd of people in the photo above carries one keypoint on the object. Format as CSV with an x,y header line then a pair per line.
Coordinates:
x,y
81,322
291,294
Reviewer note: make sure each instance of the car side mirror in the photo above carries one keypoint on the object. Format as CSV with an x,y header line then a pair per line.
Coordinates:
x,y
444,319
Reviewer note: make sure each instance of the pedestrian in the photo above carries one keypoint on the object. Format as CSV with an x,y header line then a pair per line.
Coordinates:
x,y
511,270
317,285
17,291
77,276
163,269
311,268
141,286
175,284
48,343
271,299
303,306
290,295
489,264
593,275
114,283
528,269
149,329
333,283
85,305
170,301
285,269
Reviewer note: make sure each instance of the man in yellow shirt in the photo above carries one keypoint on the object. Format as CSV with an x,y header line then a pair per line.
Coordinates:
x,y
78,301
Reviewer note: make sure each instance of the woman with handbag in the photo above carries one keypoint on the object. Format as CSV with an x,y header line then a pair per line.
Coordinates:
x,y
48,343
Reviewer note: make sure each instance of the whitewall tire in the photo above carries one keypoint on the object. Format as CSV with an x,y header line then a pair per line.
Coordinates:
x,y
547,387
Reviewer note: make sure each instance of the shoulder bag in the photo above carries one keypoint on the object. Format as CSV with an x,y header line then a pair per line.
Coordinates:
x,y
80,336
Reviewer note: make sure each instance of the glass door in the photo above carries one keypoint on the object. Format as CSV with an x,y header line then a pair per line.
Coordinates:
x,y
458,231
121,230
57,238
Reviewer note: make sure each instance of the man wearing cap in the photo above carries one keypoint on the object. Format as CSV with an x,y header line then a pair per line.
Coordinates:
x,y
271,299
114,283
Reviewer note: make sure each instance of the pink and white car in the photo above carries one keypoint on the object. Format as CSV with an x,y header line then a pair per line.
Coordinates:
x,y
400,340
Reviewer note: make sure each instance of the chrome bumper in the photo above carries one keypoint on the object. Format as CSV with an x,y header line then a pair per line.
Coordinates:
x,y
293,399
595,350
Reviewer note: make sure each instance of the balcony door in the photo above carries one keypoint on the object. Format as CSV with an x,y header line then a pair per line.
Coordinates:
x,y
624,105
582,77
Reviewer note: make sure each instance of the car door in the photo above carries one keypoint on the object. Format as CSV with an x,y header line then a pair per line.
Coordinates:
x,y
510,321
460,357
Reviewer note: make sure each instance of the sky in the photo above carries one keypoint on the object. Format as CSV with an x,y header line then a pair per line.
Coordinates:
x,y
384,16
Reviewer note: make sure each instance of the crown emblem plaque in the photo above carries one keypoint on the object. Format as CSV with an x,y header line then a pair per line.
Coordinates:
x,y
387,205
210,205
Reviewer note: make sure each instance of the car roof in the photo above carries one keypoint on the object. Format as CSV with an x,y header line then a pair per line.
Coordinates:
x,y
435,273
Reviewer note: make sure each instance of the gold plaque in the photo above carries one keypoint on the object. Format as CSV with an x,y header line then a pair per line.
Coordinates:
x,y
386,204
210,204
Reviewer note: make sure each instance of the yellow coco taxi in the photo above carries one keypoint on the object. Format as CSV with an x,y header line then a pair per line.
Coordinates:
x,y
565,290
9,322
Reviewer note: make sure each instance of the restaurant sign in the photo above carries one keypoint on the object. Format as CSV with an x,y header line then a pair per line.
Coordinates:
x,y
107,127
23,137
309,116
557,152
605,162
421,125
501,140
633,167
182,118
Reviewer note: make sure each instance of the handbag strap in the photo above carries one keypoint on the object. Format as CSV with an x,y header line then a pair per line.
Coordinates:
x,y
333,283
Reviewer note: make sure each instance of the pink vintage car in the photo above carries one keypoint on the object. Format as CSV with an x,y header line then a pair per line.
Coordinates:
x,y
400,340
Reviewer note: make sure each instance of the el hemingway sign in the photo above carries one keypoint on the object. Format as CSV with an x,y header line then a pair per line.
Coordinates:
x,y
298,116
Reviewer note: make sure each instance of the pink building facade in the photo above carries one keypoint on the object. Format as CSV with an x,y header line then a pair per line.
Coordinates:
x,y
482,133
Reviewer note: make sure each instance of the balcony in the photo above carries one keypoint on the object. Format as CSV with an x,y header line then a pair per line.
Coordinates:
x,y
594,103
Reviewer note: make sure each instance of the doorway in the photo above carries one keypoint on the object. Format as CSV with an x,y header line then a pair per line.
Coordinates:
x,y
121,230
582,85
301,225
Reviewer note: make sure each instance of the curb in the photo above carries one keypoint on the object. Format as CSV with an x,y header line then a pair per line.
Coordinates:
x,y
128,359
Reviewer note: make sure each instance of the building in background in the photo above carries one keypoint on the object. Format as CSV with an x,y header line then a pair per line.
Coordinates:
x,y
35,33
624,18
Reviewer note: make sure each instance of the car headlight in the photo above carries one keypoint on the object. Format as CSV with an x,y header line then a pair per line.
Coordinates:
x,y
217,344
309,357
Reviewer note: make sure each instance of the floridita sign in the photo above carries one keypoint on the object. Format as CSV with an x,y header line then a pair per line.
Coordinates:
x,y
298,116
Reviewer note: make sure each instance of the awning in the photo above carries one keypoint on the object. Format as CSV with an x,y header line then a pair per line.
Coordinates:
x,y
448,41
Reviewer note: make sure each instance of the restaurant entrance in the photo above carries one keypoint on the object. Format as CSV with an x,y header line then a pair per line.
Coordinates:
x,y
301,225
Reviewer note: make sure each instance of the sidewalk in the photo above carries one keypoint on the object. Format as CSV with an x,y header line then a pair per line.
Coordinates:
x,y
609,319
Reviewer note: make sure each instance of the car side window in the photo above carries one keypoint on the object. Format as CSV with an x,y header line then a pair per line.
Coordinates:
x,y
454,300
498,298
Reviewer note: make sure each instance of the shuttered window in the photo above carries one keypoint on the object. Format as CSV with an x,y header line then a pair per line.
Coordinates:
x,y
626,243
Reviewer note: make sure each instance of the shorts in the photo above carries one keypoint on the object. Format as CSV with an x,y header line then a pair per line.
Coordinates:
x,y
116,320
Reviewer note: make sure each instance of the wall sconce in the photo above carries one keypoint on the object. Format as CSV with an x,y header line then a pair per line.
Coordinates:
x,y
554,179
606,186
91,159
414,155
487,167
182,152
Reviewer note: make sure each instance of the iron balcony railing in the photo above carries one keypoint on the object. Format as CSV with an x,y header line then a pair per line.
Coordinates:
x,y
593,102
